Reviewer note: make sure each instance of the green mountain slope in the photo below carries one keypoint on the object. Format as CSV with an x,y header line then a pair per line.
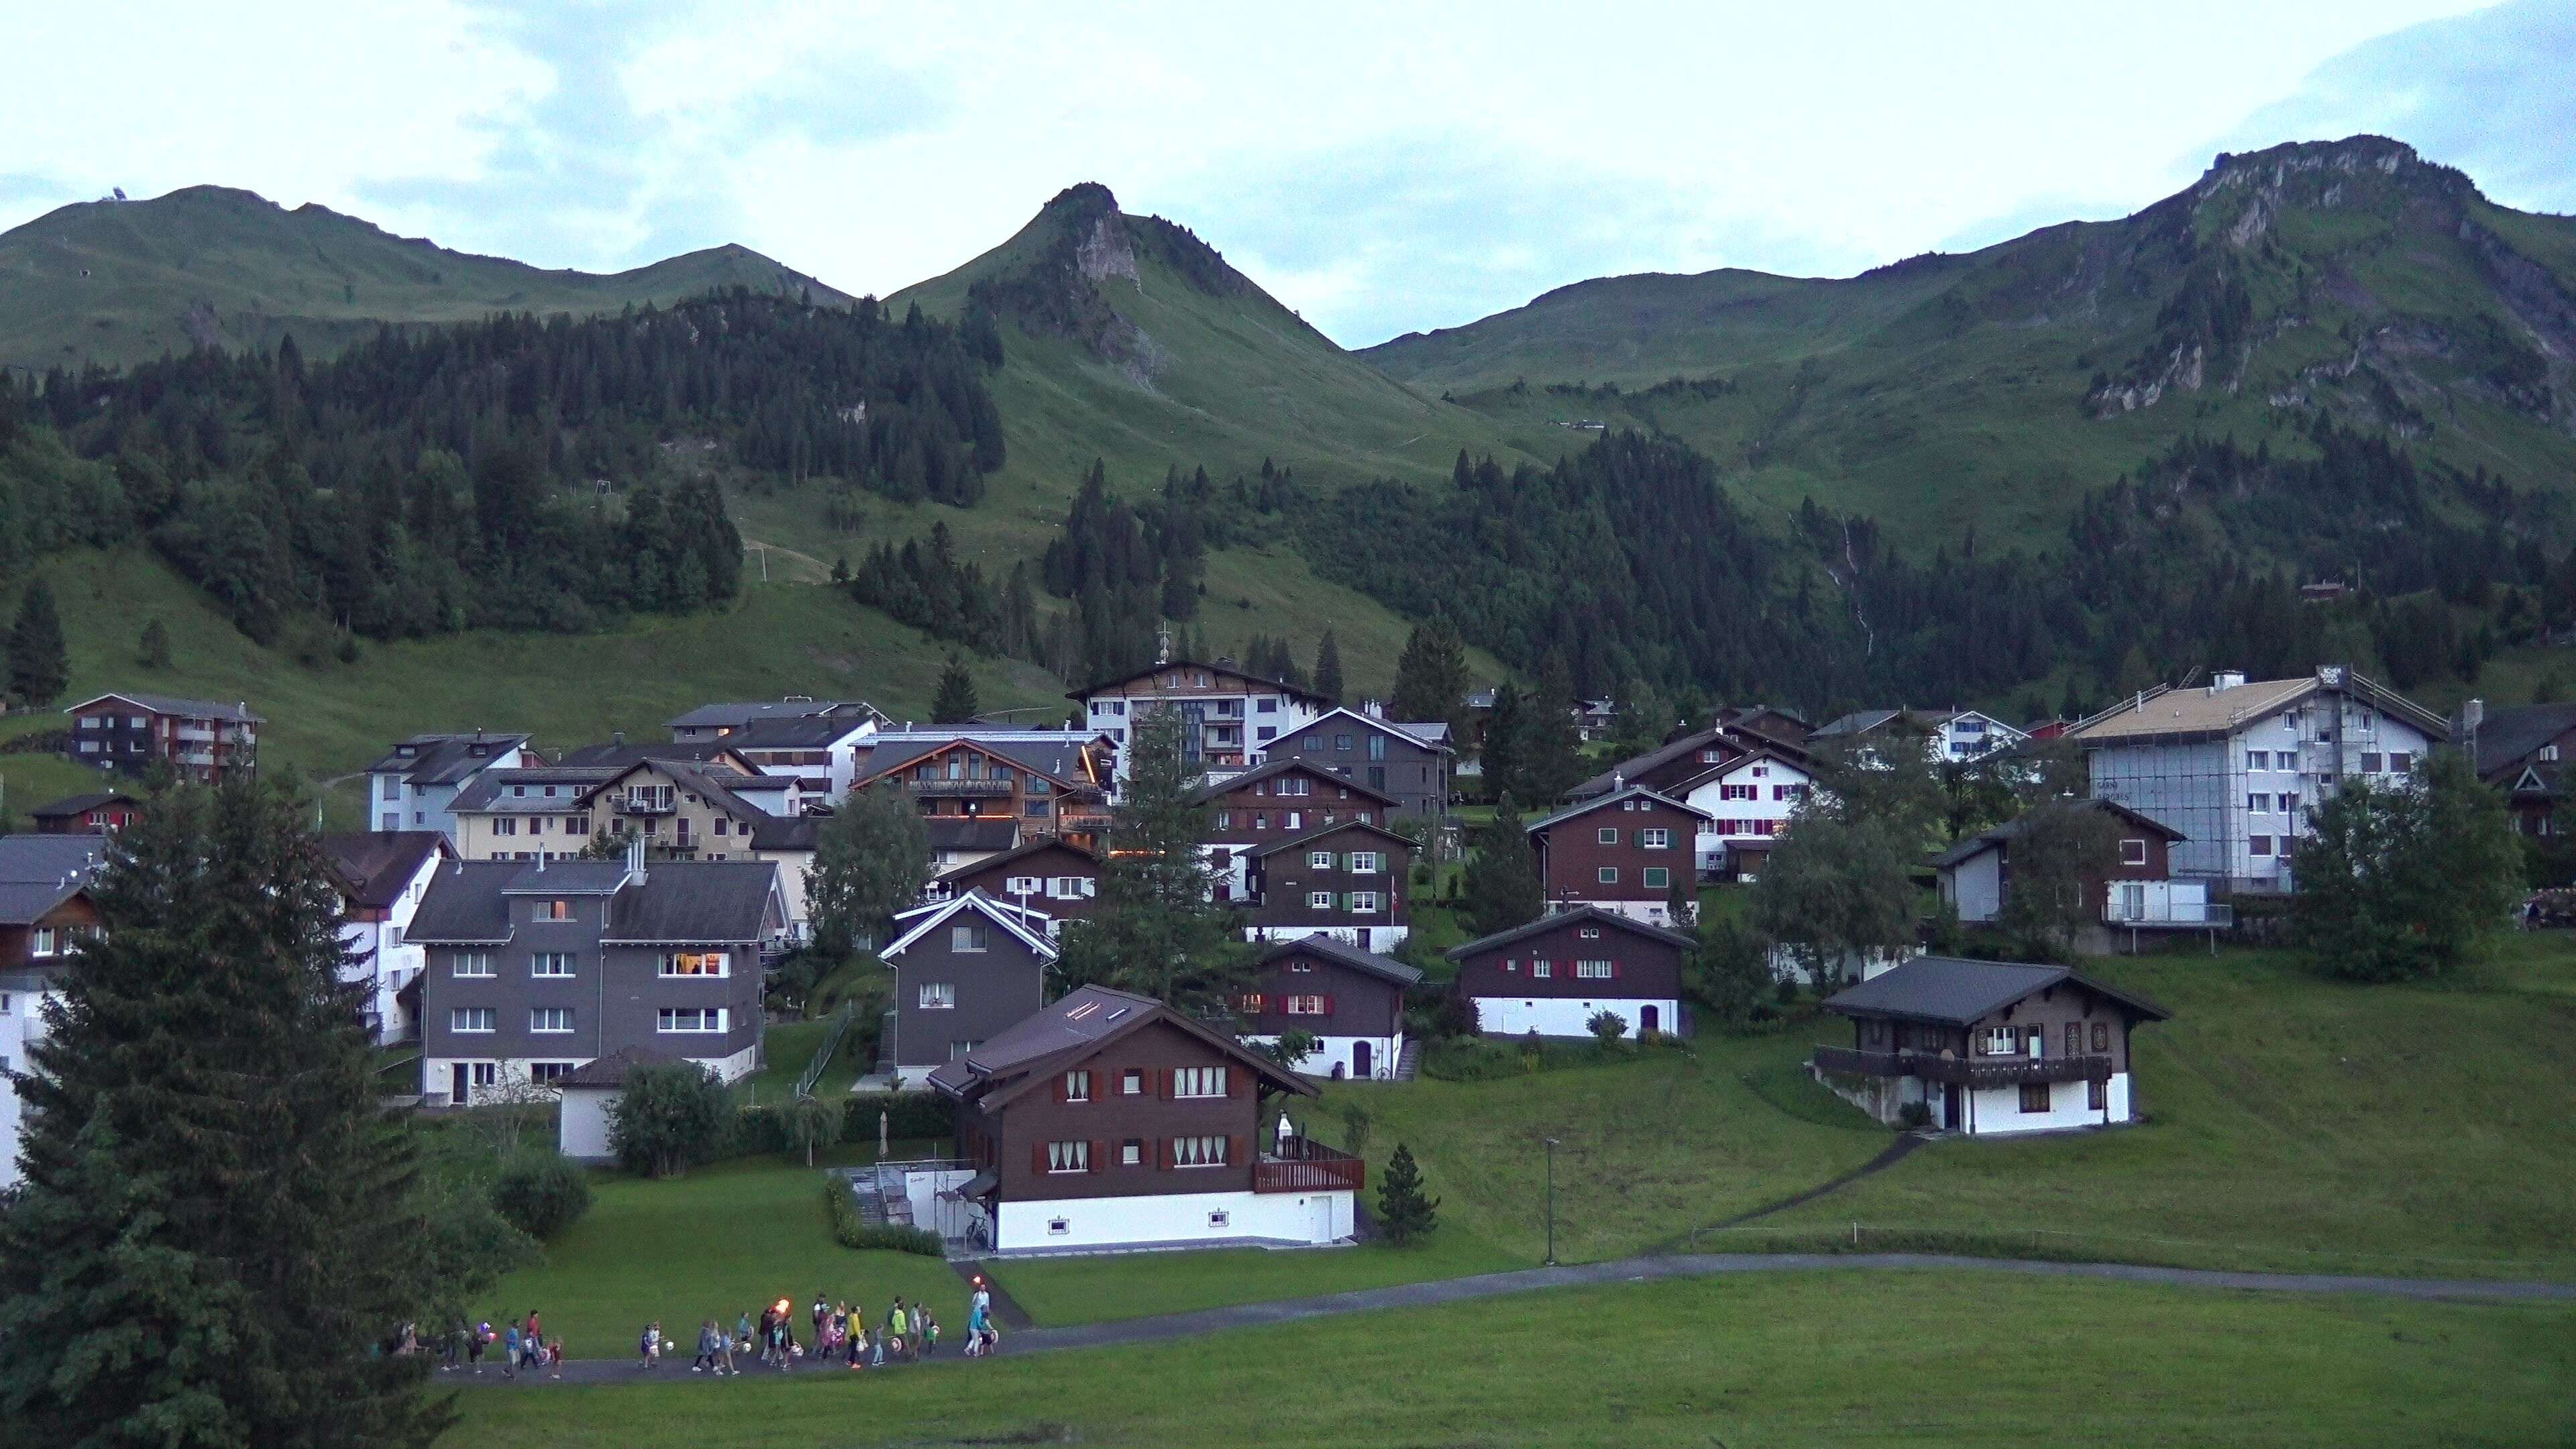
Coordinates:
x,y
121,282
1994,390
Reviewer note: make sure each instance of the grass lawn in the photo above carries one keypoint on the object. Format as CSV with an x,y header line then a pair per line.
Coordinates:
x,y
792,1045
2296,1123
1817,1359
1062,1291
721,1240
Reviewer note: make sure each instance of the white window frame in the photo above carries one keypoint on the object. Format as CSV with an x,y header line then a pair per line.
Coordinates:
x,y
1207,1151
722,961
470,965
1655,838
538,1016
538,961
1319,860
459,1016
970,938
936,996
1363,903
1069,1157
1364,862
1319,900
1594,970
1198,1083
690,1020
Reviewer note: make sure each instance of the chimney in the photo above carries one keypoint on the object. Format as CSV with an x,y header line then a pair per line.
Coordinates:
x,y
635,859
617,737
1618,781
2226,679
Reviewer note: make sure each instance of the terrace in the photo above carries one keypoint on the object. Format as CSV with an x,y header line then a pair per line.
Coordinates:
x,y
1976,1073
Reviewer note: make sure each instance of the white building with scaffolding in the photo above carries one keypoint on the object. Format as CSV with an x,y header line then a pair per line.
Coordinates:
x,y
2236,766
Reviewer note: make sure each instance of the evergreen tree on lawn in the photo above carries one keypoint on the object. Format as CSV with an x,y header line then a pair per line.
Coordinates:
x,y
1159,931
39,662
1402,1209
199,1252
955,702
154,652
1503,889
1328,667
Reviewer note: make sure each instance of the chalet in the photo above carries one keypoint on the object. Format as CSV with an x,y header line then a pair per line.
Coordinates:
x,y
1041,782
2521,751
1627,851
383,874
716,721
199,739
1054,877
1947,734
537,968
1748,785
965,971
681,810
1109,1120
1233,715
1272,802
1349,881
2236,766
1554,974
1350,1000
958,842
415,785
823,752
45,910
1408,761
100,812
2132,889
1987,1047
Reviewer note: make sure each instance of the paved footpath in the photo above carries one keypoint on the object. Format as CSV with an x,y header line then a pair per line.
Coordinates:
x,y
1624,1270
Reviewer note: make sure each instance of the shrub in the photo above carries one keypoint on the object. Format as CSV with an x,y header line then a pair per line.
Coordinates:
x,y
541,1194
1914,1114
1607,1027
813,1121
842,1209
1402,1209
669,1119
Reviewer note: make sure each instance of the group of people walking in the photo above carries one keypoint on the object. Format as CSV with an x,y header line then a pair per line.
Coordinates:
x,y
837,1335
522,1347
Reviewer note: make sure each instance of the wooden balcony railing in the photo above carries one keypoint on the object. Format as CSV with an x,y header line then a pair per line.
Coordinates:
x,y
960,787
1305,1165
1972,1072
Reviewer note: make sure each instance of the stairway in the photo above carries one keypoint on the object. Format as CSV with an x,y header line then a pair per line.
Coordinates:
x,y
1408,1061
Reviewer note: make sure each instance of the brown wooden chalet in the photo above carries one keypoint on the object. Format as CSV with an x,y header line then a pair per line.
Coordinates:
x,y
96,813
199,739
1044,782
1626,851
1351,1001
1108,1119
1553,975
1049,875
1987,1047
1348,879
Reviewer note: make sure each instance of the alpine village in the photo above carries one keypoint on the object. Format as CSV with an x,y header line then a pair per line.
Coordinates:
x,y
1062,810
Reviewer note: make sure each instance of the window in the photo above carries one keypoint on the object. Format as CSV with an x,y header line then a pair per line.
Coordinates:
x,y
720,826
691,1018
573,824
1363,902
1319,860
1266,704
1296,786
1659,877
697,963
506,825
1293,820
551,911
1655,839
2370,762
1022,885
2133,852
968,940
1341,744
1589,933
1261,820
1070,887
1319,900
1198,1152
543,1073
1131,1153
471,963
1740,792
1594,970
1540,968
2258,804
1311,742
2259,845
2101,1037
937,996
1251,1003
1068,1156
1364,862
1999,1041
2097,1096
1198,1082
43,944
1225,820
550,1020
1131,1082
1606,835
1301,968
2403,761
1304,1005
1608,875
550,963
473,1019
2258,759
1377,747
2034,1096
1077,1086
393,783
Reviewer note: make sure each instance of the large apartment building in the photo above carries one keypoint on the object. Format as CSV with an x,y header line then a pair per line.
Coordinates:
x,y
1233,715
415,785
129,732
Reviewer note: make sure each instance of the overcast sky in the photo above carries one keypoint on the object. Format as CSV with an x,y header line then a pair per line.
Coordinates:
x,y
1381,167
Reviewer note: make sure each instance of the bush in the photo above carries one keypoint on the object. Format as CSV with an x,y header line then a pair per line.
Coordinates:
x,y
669,1119
541,1194
764,1128
843,1211
1914,1114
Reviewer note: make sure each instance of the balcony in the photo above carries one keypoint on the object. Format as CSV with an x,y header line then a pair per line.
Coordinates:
x,y
1305,1165
979,788
1975,1073
645,805
2194,915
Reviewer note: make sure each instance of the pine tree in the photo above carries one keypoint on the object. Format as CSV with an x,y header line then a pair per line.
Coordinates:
x,y
155,649
1551,759
1328,667
39,662
198,1252
1159,929
955,702
1431,678
1503,889
1402,1208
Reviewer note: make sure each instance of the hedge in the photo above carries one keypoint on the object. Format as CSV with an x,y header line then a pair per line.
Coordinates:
x,y
909,1114
842,1208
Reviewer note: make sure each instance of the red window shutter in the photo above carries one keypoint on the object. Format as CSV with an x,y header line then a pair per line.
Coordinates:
x,y
1328,1005
1234,1076
1059,1086
1163,1154
1037,1157
1234,1149
1614,968
1163,1083
1099,1155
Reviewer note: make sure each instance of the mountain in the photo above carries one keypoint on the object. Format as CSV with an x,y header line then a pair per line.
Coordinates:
x,y
1994,391
121,282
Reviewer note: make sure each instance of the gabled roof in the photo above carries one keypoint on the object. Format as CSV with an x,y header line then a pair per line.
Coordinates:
x,y
1410,734
2164,715
608,1073
1957,992
2507,736
2014,828
620,756
1086,1019
445,759
377,866
1056,754
810,732
172,704
1688,745
1581,915
464,905
1245,778
971,832
787,832
1739,742
1305,837
1858,722
73,805
1586,807
1237,670
737,715
926,919
490,791
697,902
567,877
1385,968
1038,846
40,872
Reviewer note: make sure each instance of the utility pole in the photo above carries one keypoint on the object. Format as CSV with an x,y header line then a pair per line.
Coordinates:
x,y
1551,1202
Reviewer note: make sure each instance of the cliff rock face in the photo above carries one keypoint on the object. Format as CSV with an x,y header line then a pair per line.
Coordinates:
x,y
1090,255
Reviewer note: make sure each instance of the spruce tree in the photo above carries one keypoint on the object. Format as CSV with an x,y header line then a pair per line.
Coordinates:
x,y
1402,1208
1431,678
1328,667
203,1250
1159,929
1551,760
955,702
155,648
1502,884
39,662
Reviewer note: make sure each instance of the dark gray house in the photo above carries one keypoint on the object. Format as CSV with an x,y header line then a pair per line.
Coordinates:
x,y
536,967
965,970
1408,761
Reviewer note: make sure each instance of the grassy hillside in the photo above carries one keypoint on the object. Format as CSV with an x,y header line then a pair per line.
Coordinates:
x,y
122,282
1992,390
328,718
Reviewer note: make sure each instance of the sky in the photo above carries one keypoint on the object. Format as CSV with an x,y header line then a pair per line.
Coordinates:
x,y
1382,169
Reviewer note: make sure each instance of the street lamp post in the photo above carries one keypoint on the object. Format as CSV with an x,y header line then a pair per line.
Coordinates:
x,y
1551,1202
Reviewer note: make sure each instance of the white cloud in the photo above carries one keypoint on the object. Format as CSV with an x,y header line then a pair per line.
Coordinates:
x,y
1380,168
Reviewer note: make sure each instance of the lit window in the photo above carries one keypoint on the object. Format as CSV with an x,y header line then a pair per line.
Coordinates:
x,y
552,911
697,963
